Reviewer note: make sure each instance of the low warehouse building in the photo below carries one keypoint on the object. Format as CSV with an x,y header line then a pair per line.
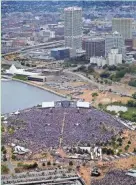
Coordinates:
x,y
37,78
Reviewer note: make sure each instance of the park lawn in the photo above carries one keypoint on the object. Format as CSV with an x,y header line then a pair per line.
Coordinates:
x,y
20,77
130,114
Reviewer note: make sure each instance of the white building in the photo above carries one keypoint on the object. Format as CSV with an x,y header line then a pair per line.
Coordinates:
x,y
13,70
100,61
114,57
123,26
115,40
73,27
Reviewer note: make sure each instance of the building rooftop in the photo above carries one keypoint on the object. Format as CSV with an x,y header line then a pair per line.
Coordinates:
x,y
94,39
72,8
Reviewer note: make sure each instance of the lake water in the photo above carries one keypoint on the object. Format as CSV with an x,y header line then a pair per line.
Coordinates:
x,y
17,96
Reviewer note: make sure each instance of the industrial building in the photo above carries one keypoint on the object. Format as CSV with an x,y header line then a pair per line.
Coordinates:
x,y
60,53
100,61
114,57
94,47
73,27
123,26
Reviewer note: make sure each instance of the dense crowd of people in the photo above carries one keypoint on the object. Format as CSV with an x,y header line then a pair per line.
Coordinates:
x,y
115,177
39,128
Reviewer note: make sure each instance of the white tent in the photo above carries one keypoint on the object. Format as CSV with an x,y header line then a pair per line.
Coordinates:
x,y
83,104
20,150
48,104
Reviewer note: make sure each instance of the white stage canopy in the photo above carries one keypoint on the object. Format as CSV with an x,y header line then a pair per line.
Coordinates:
x,y
48,104
83,104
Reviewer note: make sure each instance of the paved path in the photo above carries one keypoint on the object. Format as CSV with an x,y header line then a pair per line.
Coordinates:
x,y
62,129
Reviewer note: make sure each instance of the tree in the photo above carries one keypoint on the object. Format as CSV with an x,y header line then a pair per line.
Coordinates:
x,y
70,163
120,74
4,169
90,69
100,105
118,154
126,147
131,103
2,129
134,95
17,170
48,163
54,164
2,148
132,83
105,66
4,151
13,157
43,164
119,140
28,65
94,94
112,68
35,165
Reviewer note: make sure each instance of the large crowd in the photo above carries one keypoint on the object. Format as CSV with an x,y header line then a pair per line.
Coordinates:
x,y
115,177
39,128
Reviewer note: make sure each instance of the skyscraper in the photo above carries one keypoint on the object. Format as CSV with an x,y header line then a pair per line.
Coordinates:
x,y
73,27
123,26
115,40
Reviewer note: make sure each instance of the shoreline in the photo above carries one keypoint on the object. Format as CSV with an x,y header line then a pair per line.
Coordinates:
x,y
40,87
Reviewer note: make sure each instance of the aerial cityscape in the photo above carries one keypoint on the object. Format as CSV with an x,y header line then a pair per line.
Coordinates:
x,y
68,98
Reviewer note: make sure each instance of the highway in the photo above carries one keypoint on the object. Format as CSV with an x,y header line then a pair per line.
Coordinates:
x,y
48,44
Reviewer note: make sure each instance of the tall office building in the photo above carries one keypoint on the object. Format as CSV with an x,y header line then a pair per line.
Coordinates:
x,y
123,26
115,40
73,27
94,47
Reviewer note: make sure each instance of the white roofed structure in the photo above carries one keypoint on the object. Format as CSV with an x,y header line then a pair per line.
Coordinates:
x,y
83,104
13,70
20,150
48,104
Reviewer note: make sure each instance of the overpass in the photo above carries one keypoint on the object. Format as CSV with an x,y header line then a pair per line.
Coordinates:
x,y
35,47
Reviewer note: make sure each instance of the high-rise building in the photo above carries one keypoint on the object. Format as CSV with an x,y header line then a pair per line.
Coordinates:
x,y
115,40
94,47
123,26
73,27
114,57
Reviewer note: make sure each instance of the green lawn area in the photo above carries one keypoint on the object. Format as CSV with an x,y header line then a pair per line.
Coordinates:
x,y
130,114
20,77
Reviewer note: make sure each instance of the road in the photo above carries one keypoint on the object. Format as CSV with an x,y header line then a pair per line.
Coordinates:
x,y
100,86
120,91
